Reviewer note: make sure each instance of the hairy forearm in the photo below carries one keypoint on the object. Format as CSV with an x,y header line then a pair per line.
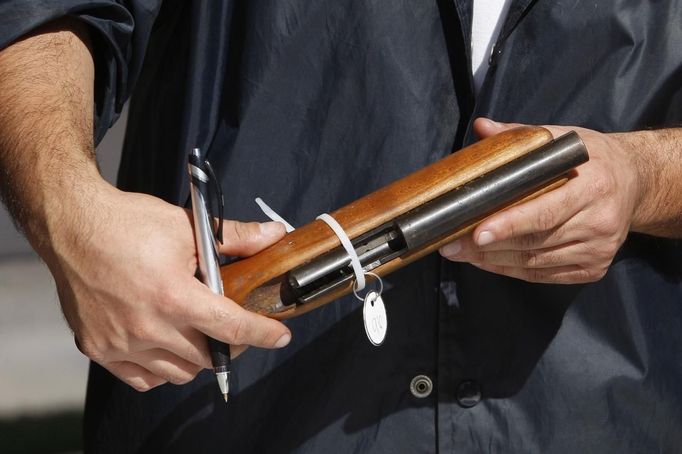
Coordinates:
x,y
658,159
46,128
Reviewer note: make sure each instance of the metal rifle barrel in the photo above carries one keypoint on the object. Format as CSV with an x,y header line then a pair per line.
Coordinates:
x,y
495,189
449,212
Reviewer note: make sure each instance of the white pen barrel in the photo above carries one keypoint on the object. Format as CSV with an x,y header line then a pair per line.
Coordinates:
x,y
207,255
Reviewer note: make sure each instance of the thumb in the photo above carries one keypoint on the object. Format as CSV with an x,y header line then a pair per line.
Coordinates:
x,y
225,320
485,127
244,239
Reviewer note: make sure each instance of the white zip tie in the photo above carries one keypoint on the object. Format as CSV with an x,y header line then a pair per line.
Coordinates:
x,y
338,230
373,311
348,246
269,212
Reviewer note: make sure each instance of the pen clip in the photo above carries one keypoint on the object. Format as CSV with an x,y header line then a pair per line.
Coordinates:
x,y
217,189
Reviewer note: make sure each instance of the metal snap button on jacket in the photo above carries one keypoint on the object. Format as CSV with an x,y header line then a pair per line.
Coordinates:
x,y
468,393
421,386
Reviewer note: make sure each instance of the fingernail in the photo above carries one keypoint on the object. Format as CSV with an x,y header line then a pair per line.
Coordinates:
x,y
484,238
283,341
271,228
451,249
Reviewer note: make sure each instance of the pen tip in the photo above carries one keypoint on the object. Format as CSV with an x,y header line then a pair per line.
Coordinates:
x,y
225,397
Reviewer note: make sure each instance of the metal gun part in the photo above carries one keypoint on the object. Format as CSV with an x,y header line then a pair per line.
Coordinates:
x,y
437,218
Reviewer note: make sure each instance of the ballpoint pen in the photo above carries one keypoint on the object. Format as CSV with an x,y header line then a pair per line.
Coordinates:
x,y
202,178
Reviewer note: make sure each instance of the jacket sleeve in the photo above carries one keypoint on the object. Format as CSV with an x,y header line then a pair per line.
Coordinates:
x,y
120,32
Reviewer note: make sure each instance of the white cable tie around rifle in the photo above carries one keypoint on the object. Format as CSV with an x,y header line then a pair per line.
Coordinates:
x,y
269,212
338,230
348,246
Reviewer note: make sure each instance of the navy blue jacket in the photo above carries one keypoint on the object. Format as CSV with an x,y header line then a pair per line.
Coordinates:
x,y
312,104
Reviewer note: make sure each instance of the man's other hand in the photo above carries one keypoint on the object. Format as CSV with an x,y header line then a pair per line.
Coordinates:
x,y
123,263
128,290
568,235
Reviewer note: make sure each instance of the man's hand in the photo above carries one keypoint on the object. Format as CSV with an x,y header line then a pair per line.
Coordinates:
x,y
129,293
124,263
571,234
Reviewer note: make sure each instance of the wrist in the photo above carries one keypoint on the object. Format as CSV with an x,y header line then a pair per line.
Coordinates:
x,y
65,207
645,155
628,144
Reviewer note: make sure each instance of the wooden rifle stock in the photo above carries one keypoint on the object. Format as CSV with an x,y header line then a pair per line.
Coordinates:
x,y
264,282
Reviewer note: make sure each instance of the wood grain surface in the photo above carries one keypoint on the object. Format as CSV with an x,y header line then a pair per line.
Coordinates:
x,y
253,282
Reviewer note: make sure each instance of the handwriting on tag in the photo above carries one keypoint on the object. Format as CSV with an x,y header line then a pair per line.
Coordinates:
x,y
374,316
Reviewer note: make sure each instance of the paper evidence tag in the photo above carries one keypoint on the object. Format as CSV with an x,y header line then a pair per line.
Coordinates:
x,y
374,316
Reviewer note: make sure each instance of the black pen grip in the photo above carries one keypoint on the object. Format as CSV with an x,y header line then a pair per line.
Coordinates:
x,y
220,355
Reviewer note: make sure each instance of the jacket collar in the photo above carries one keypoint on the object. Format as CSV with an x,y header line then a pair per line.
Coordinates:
x,y
517,11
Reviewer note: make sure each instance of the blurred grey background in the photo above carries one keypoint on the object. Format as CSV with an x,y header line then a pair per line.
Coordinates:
x,y
39,413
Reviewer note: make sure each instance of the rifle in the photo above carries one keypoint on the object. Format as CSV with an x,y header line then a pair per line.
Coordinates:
x,y
403,221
